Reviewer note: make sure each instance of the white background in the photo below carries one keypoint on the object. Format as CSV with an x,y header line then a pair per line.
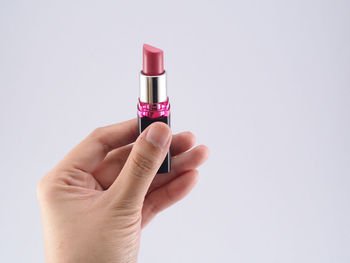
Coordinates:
x,y
265,84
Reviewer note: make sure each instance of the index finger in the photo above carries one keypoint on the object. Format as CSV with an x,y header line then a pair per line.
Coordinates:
x,y
88,154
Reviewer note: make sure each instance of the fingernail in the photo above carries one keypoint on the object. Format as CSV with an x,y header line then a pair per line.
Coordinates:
x,y
158,135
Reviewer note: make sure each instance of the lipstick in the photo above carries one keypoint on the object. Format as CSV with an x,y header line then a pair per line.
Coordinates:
x,y
153,104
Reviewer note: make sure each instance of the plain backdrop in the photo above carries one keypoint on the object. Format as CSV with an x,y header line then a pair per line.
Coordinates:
x,y
265,84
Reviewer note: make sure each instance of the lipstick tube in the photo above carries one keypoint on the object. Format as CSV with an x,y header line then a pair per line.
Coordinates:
x,y
153,104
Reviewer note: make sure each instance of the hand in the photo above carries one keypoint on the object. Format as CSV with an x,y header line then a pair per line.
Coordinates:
x,y
95,202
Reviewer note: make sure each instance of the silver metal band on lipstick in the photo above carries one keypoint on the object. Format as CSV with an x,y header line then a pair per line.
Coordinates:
x,y
153,88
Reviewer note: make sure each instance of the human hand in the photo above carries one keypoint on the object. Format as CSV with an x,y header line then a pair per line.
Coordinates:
x,y
95,202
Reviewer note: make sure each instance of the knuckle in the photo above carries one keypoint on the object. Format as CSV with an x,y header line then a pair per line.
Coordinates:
x,y
168,194
42,189
154,209
98,133
101,135
45,189
127,207
142,163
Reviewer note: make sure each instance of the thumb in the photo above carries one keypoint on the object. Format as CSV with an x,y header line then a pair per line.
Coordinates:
x,y
144,160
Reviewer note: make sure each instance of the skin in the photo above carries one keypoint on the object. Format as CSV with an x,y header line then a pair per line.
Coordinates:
x,y
96,201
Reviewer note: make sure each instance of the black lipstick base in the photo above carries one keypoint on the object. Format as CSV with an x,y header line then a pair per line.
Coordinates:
x,y
144,122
